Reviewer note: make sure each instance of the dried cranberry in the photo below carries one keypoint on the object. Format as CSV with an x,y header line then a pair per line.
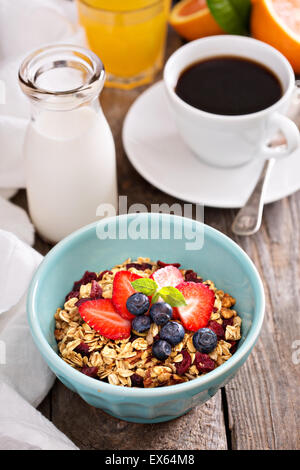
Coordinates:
x,y
72,294
161,264
215,309
86,278
139,266
100,277
96,291
146,266
217,328
81,301
183,366
203,362
137,380
90,371
234,345
191,276
227,321
83,349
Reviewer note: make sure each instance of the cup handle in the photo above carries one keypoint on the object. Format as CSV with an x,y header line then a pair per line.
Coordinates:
x,y
290,132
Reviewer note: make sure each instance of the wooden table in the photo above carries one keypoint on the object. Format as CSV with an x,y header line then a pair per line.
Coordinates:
x,y
260,408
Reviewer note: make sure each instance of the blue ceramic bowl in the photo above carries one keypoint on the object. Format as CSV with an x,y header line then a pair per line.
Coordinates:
x,y
220,260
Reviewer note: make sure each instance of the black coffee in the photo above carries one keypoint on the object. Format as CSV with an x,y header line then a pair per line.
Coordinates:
x,y
228,85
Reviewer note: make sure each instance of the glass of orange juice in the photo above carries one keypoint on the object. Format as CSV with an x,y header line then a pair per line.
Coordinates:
x,y
129,37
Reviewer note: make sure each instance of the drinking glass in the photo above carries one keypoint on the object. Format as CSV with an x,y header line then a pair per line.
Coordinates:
x,y
129,36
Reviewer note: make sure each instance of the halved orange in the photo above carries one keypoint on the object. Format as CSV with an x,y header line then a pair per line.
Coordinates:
x,y
192,20
277,22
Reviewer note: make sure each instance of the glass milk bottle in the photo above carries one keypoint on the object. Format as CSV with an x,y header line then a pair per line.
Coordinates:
x,y
69,149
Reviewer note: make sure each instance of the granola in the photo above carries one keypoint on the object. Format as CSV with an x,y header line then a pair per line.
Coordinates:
x,y
129,362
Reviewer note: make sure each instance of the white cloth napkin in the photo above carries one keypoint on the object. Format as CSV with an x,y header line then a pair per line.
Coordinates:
x,y
32,432
25,378
14,219
24,26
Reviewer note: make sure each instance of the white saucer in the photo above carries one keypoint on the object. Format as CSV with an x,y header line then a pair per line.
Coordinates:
x,y
157,152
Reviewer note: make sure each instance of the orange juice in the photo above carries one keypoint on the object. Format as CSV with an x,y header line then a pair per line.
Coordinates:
x,y
128,36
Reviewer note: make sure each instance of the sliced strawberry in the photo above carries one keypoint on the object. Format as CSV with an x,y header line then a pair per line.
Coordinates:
x,y
101,315
175,314
168,276
200,302
122,289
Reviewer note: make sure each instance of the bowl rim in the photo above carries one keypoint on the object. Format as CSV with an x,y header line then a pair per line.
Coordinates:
x,y
204,381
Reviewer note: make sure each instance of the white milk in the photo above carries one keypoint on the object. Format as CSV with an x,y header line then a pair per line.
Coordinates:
x,y
71,169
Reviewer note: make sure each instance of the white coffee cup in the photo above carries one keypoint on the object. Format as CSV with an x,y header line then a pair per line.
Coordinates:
x,y
229,141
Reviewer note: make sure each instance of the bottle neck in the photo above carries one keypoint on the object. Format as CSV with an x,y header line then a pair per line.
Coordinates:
x,y
62,78
39,106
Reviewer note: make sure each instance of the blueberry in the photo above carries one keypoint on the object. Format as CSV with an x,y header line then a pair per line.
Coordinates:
x,y
141,324
205,340
161,313
138,303
161,349
172,332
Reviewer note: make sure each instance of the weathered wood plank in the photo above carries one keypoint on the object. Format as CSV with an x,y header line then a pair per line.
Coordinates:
x,y
89,428
263,400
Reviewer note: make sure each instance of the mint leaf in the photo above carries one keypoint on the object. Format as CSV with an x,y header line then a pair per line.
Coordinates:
x,y
172,296
155,298
145,286
149,287
231,15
